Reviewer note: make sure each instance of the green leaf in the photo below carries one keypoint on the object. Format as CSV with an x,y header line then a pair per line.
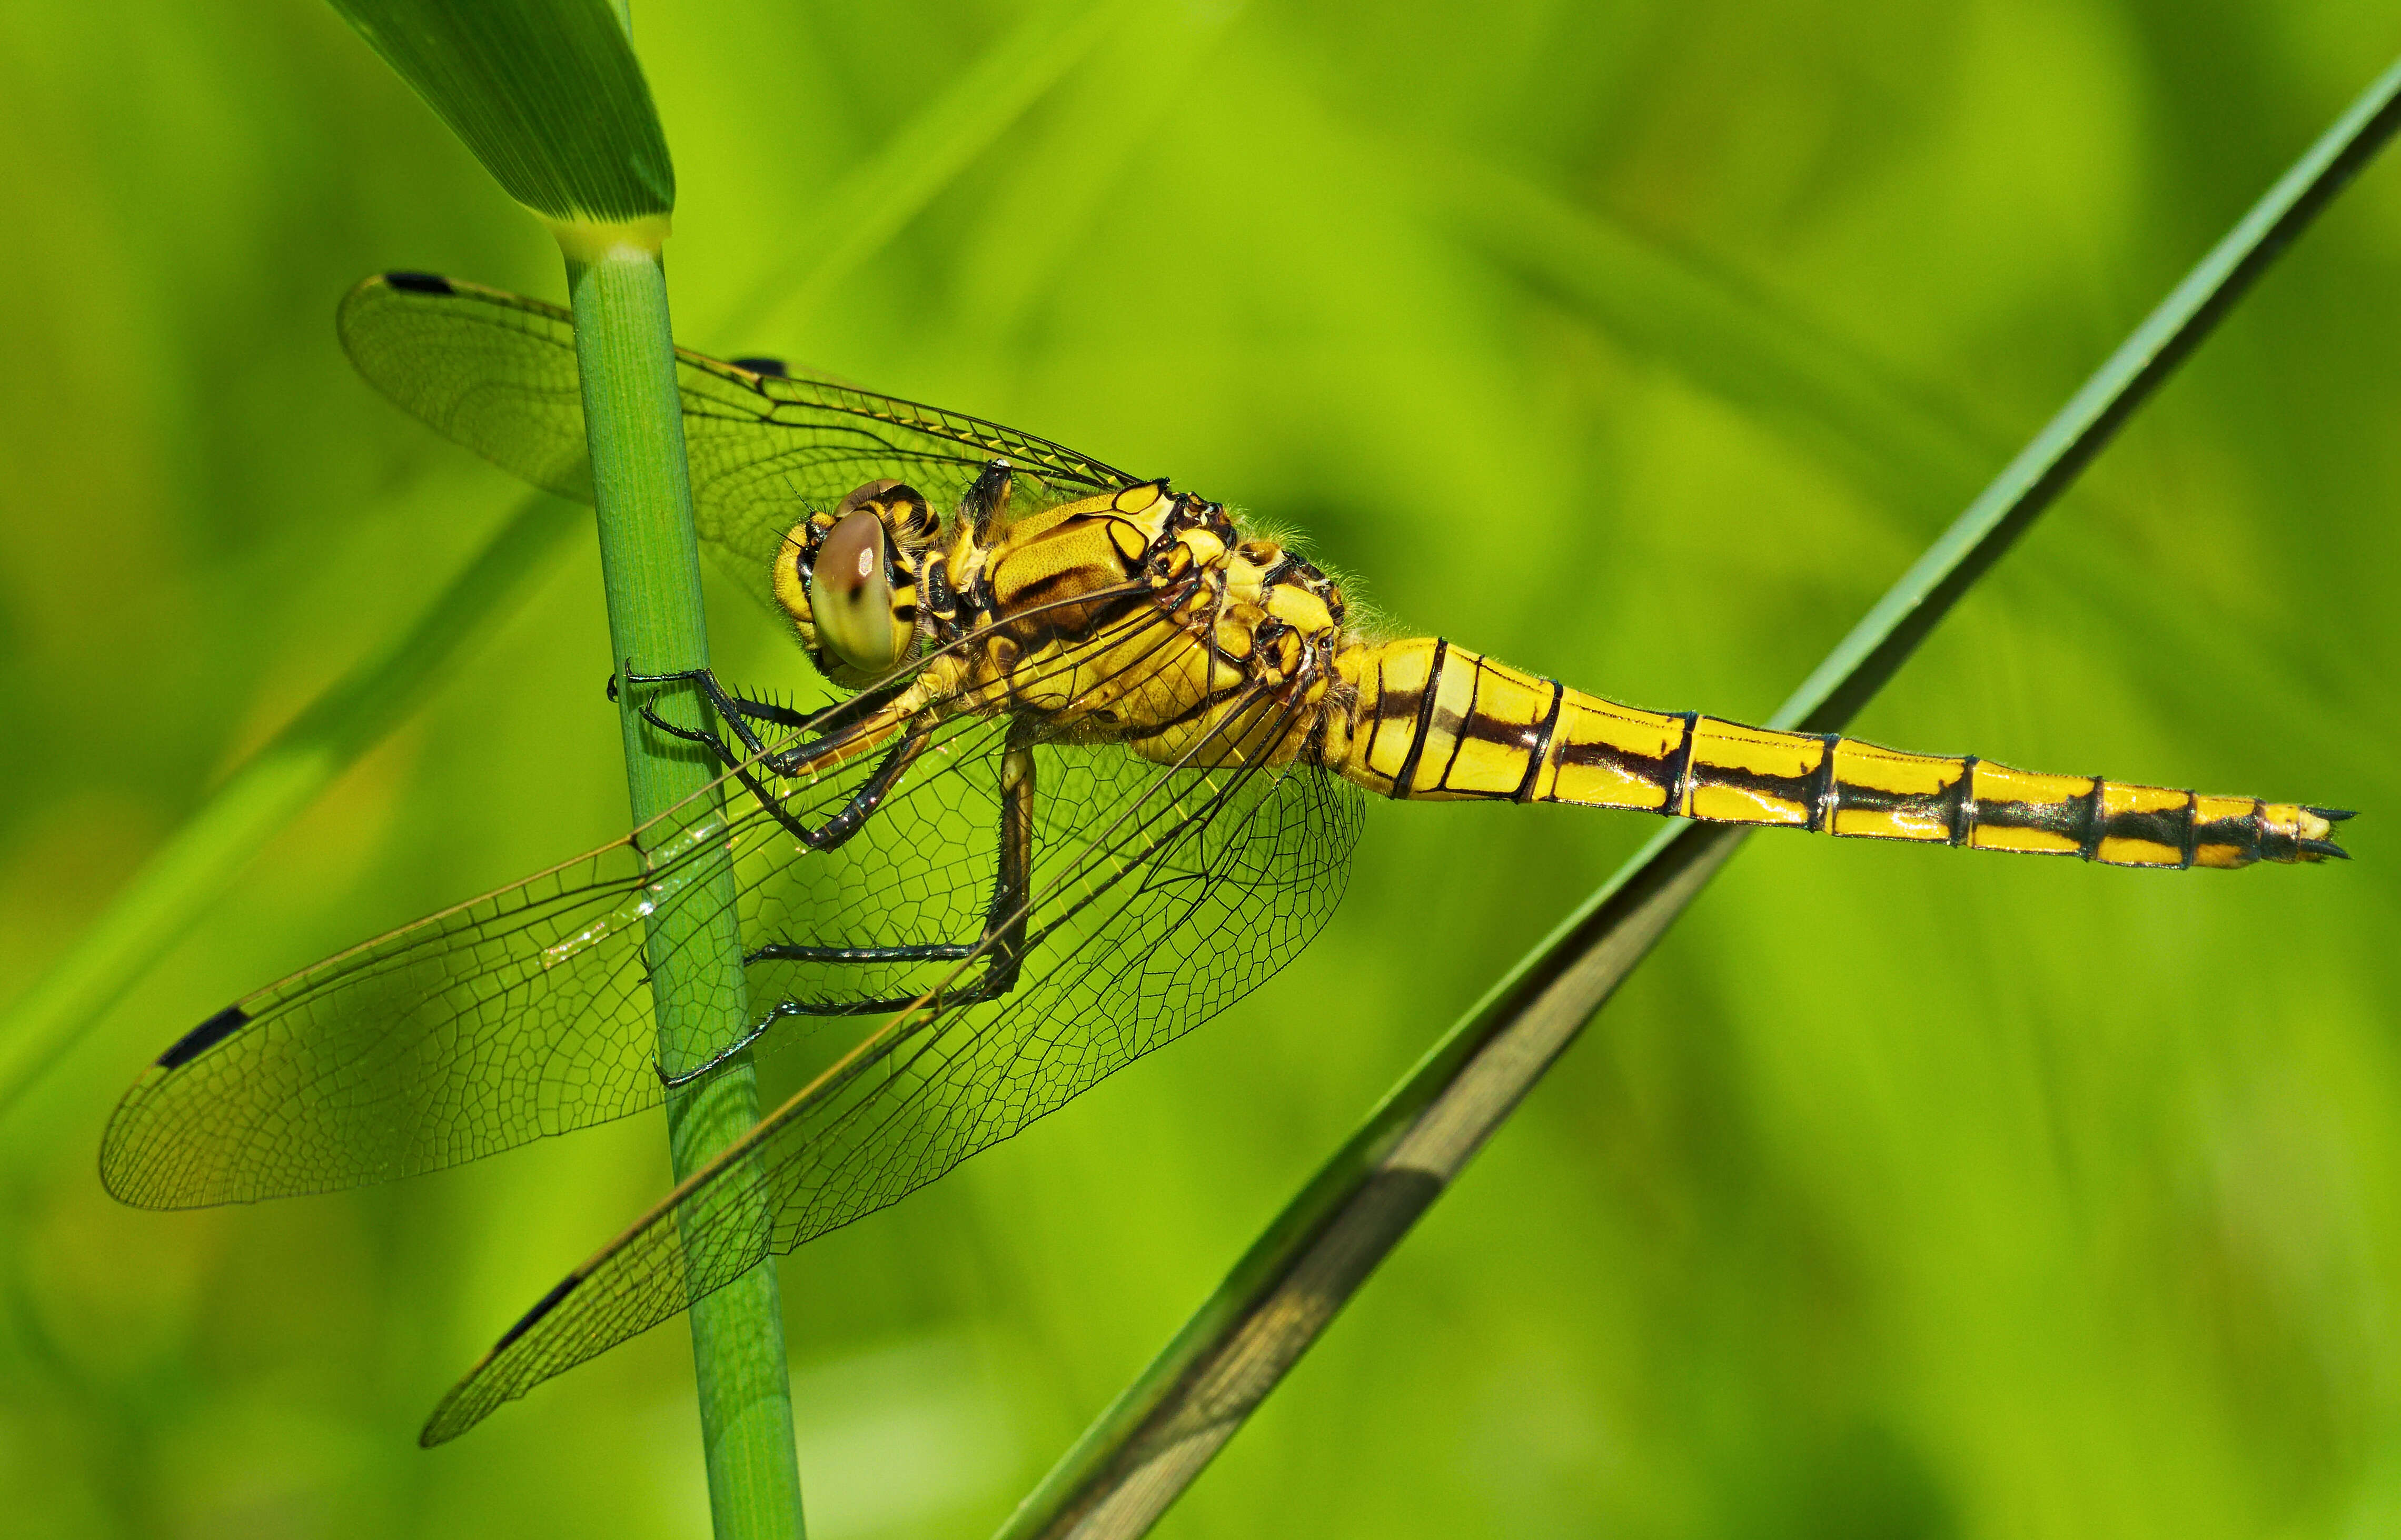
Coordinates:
x,y
1137,1458
546,94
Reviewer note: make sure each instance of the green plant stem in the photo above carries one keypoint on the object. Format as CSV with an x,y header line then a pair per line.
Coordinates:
x,y
651,563
185,876
1161,1432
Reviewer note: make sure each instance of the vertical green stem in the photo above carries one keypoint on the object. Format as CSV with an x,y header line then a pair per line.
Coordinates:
x,y
651,566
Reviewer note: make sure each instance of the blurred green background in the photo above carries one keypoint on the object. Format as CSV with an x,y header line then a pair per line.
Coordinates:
x,y
1904,1192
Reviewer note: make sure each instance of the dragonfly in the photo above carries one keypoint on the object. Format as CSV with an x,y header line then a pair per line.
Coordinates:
x,y
1097,770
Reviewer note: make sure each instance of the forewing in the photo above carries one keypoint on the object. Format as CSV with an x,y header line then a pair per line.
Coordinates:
x,y
468,1032
496,372
1159,897
528,1011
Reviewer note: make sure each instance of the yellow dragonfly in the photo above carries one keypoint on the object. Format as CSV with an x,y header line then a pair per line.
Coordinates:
x,y
1099,772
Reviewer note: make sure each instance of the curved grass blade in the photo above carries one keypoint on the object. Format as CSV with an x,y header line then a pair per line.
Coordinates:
x,y
186,874
546,94
1138,1457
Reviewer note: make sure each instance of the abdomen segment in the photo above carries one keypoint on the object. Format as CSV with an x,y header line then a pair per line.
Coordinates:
x,y
1438,722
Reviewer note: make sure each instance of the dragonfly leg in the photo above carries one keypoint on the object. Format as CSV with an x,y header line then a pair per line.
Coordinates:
x,y
737,710
863,803
1002,943
728,707
768,711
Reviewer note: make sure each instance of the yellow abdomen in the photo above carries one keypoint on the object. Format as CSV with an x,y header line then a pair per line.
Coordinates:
x,y
1434,722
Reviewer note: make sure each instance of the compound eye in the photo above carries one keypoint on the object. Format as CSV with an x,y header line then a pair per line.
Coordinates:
x,y
850,597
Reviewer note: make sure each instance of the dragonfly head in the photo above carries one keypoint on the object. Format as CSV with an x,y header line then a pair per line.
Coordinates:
x,y
849,581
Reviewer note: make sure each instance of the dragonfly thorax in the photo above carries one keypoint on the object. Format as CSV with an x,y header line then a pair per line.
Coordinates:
x,y
1140,616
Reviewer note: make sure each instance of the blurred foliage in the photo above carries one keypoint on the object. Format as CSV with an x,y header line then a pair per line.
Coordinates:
x,y
1904,1192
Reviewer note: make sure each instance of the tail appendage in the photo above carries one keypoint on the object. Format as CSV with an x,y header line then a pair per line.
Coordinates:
x,y
1435,722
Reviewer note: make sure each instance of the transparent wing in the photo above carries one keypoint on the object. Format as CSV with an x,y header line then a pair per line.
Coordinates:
x,y
496,372
528,1011
1157,897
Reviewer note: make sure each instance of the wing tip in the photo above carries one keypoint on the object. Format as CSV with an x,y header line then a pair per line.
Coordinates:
x,y
471,1399
759,364
417,283
200,1039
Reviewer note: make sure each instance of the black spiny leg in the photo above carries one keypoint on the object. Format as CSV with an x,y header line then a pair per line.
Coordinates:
x,y
735,712
863,803
1002,946
1012,887
738,712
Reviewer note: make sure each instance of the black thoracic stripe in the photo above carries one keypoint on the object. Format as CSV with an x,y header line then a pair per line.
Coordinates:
x,y
1466,724
1376,721
1680,763
2087,844
1425,719
2190,843
1206,704
1541,748
1105,609
1821,785
1963,802
1041,591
